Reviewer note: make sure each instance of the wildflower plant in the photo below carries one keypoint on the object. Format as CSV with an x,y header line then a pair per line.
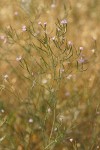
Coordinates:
x,y
47,62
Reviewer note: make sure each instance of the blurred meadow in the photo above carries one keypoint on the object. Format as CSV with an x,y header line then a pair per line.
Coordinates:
x,y
49,75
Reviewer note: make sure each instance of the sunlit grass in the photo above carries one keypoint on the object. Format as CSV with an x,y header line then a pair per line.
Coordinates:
x,y
49,75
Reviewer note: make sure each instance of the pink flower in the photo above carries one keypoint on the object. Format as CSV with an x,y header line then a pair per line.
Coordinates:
x,y
71,140
70,43
61,70
16,13
2,37
5,77
19,58
64,21
53,5
67,93
39,23
69,76
81,60
30,120
53,38
23,28
45,23
81,48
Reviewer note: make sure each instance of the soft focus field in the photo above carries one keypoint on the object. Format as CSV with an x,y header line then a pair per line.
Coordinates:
x,y
49,75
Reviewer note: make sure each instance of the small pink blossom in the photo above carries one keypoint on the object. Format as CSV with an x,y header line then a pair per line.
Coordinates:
x,y
55,129
64,21
53,38
5,77
53,5
93,50
8,27
81,48
2,110
44,81
70,43
16,13
2,37
48,110
39,23
98,147
23,1
18,58
61,118
30,120
45,23
71,140
67,93
61,70
23,28
81,60
58,29
69,76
